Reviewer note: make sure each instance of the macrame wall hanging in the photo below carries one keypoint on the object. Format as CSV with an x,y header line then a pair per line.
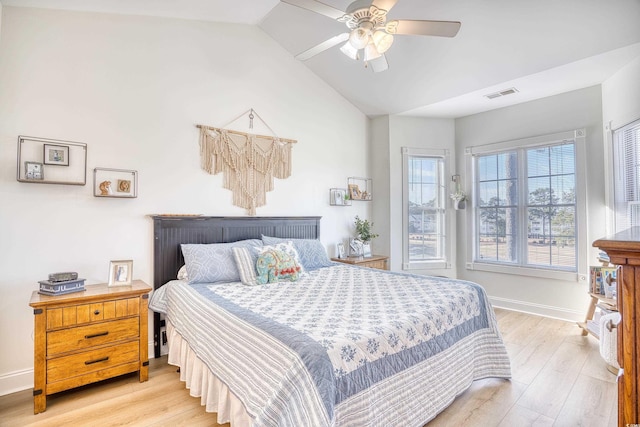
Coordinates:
x,y
249,162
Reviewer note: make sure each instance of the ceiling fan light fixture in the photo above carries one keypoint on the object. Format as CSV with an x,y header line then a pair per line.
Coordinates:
x,y
382,40
350,51
359,38
371,53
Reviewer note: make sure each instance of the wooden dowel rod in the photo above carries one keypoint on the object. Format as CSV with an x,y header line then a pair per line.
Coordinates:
x,y
292,141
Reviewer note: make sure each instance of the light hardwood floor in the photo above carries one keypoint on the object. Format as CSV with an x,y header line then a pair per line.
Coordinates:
x,y
558,379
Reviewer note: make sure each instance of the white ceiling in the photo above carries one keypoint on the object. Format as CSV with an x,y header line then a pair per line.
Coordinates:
x,y
541,47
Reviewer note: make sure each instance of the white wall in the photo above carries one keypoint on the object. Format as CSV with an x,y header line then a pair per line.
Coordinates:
x,y
389,135
572,110
621,96
133,88
379,166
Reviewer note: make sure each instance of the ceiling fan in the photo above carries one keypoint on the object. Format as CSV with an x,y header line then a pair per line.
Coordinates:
x,y
369,30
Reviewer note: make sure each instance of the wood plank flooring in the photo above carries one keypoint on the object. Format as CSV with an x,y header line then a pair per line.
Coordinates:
x,y
559,379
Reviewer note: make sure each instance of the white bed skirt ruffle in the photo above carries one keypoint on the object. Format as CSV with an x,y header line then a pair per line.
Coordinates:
x,y
213,393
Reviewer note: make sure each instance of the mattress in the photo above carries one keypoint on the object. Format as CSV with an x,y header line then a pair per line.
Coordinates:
x,y
342,346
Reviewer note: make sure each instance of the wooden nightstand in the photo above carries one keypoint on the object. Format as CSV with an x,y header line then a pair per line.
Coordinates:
x,y
375,261
88,336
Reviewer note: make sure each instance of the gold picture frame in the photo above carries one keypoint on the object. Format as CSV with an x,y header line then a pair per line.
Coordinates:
x,y
120,272
354,192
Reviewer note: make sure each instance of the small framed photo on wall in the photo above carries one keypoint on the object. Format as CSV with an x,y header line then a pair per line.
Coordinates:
x,y
34,170
120,272
56,155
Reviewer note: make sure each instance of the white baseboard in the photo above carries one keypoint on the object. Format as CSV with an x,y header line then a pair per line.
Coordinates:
x,y
561,313
13,382
16,381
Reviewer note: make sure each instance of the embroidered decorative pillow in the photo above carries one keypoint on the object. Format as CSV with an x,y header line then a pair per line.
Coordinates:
x,y
287,247
312,253
213,263
274,265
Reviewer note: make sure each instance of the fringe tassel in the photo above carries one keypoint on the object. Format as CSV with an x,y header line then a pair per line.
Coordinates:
x,y
249,164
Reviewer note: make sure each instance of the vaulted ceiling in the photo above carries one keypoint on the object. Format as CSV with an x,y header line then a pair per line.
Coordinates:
x,y
541,47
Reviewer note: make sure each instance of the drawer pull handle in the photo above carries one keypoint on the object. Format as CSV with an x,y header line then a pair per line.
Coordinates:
x,y
96,312
99,334
91,362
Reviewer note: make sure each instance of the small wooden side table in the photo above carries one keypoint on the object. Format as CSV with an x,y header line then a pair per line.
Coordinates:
x,y
380,262
88,336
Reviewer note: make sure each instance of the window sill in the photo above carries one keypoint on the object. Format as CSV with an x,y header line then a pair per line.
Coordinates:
x,y
426,265
569,276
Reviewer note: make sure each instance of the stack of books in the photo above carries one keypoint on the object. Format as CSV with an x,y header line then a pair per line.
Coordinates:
x,y
603,281
48,287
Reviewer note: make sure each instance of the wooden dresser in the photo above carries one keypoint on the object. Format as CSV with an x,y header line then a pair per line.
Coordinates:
x,y
88,336
624,250
374,261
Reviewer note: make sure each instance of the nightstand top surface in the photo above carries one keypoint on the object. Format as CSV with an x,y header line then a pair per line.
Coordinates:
x,y
99,291
360,260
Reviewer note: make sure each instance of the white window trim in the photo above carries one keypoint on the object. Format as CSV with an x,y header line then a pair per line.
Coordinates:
x,y
449,212
580,275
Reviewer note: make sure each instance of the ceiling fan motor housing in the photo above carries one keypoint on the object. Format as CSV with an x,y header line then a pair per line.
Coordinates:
x,y
362,13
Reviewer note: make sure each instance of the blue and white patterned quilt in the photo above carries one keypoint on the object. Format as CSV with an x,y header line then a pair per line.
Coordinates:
x,y
342,346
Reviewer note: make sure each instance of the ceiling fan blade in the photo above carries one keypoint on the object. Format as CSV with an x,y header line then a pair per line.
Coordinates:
x,y
317,7
428,28
323,46
384,4
379,64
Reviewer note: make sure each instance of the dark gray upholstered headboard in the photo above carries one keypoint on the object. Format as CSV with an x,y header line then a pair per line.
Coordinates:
x,y
170,231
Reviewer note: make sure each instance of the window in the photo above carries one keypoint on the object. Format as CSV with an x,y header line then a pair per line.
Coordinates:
x,y
424,209
626,166
525,212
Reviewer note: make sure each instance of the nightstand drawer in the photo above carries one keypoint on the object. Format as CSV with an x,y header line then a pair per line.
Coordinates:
x,y
72,315
66,367
84,337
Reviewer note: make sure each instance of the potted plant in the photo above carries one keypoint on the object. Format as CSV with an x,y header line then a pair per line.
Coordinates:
x,y
364,231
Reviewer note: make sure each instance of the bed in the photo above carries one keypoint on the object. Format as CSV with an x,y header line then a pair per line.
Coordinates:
x,y
341,346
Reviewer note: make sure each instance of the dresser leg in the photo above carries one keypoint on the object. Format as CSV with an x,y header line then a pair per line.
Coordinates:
x,y
144,372
39,403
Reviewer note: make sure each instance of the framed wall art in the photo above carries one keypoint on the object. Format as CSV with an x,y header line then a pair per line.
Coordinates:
x,y
33,170
360,188
339,197
120,272
56,155
121,183
40,161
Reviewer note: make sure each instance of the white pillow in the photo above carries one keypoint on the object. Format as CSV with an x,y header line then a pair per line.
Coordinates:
x,y
182,273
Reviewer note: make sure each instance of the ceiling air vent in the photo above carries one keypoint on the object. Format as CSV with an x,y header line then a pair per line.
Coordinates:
x,y
505,92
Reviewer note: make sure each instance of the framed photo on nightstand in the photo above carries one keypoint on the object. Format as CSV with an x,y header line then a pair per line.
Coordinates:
x,y
341,251
120,273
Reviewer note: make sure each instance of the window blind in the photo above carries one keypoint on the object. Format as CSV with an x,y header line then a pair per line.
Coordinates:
x,y
627,176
